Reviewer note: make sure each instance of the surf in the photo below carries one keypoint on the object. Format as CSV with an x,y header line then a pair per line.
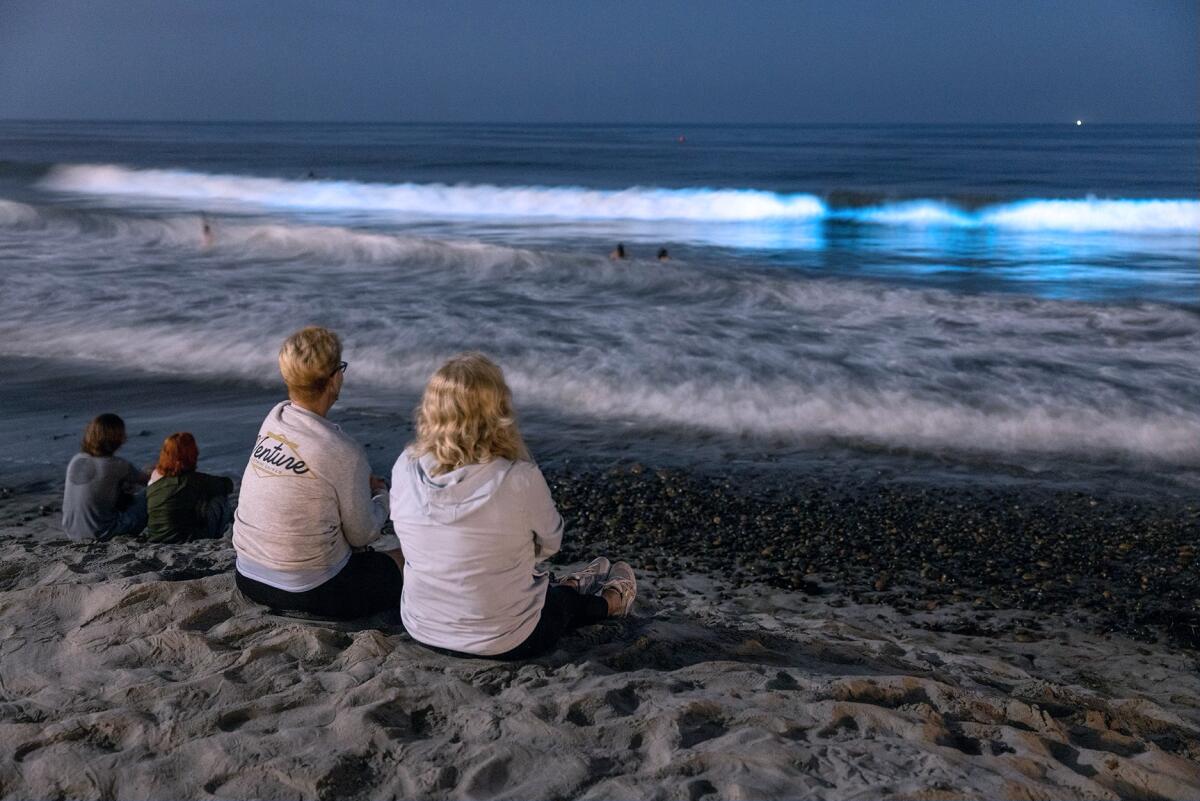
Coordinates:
x,y
636,203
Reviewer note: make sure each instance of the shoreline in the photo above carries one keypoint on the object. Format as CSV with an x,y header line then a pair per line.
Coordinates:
x,y
224,414
1124,562
1128,562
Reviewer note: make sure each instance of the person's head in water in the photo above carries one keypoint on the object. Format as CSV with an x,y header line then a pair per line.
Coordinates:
x,y
103,436
663,255
310,362
179,454
466,415
618,252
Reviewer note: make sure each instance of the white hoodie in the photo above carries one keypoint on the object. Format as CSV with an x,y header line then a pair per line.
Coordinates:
x,y
471,539
305,500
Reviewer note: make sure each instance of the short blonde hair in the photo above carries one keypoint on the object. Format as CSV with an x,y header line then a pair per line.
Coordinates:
x,y
466,415
309,360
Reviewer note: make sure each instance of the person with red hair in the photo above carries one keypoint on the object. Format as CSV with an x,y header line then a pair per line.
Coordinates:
x,y
182,503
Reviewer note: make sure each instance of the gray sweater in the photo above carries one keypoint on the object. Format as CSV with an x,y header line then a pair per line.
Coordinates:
x,y
95,485
305,500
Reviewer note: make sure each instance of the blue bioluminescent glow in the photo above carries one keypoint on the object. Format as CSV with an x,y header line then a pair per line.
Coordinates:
x,y
633,203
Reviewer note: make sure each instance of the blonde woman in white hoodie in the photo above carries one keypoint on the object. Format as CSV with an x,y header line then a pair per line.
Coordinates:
x,y
474,517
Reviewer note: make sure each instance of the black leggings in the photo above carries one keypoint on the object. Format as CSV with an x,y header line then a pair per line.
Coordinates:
x,y
370,582
565,610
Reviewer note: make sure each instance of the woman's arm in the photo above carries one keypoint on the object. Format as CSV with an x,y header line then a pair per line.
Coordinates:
x,y
544,520
135,478
214,486
362,515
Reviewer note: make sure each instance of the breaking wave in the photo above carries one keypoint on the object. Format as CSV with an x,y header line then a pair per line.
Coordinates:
x,y
634,203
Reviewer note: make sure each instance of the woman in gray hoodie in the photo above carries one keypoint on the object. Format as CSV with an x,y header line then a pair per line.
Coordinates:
x,y
474,516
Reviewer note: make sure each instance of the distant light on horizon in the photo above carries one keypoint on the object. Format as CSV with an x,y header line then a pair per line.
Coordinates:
x,y
1078,122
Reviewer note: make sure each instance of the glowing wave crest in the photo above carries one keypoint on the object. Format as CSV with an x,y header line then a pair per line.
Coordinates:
x,y
635,203
439,199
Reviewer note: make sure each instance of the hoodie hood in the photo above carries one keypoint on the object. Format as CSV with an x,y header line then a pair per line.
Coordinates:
x,y
454,495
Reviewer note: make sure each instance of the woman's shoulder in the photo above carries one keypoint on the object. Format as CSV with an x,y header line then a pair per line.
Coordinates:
x,y
522,472
161,485
407,458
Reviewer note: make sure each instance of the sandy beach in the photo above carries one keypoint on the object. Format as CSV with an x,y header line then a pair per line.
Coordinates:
x,y
137,671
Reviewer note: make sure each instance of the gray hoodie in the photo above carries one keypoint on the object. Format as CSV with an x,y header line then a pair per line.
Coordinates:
x,y
471,539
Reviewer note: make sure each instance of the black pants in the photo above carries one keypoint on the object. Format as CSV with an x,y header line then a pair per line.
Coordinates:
x,y
565,610
370,582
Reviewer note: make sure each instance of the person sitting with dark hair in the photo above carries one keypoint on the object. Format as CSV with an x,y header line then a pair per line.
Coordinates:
x,y
102,498
182,503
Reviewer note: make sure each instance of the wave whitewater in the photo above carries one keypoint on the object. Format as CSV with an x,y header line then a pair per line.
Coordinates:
x,y
250,239
635,203
1043,420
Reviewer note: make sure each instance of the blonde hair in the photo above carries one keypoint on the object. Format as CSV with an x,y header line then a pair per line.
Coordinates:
x,y
308,361
466,415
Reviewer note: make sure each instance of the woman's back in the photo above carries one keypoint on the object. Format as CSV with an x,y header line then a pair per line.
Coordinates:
x,y
304,501
176,505
471,538
93,491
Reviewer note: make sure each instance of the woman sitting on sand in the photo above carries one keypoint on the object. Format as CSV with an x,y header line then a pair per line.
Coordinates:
x,y
182,503
306,500
474,515
102,498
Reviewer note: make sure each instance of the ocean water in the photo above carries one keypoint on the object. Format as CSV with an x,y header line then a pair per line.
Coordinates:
x,y
1006,298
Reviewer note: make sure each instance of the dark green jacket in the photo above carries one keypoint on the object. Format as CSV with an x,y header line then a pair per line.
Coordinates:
x,y
175,505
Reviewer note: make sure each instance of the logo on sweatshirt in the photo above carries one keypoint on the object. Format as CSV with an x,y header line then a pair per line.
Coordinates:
x,y
275,455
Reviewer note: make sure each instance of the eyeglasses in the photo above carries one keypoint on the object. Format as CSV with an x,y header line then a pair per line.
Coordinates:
x,y
341,368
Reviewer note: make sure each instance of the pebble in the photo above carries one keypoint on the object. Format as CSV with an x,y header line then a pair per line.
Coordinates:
x,y
1126,560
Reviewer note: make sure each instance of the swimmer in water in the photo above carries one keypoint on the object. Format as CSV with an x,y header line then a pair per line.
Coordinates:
x,y
206,232
663,255
619,253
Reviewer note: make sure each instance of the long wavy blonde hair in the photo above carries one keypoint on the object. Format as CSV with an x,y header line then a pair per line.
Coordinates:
x,y
466,415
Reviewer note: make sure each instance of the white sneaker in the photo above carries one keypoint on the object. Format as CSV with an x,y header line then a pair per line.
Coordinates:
x,y
588,580
620,578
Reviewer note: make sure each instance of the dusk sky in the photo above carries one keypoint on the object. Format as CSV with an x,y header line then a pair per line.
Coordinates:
x,y
692,61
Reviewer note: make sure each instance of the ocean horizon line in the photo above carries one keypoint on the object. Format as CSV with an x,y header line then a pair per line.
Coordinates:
x,y
1071,123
